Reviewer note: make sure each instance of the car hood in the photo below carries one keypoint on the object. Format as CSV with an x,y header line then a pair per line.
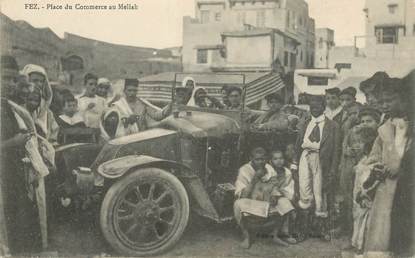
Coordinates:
x,y
202,124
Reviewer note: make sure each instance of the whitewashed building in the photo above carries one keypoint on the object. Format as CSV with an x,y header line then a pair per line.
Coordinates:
x,y
248,35
389,43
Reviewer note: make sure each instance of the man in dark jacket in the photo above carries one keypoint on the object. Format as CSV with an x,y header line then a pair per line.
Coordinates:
x,y
334,109
318,149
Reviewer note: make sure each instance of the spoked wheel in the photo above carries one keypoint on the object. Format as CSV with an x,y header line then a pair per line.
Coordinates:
x,y
145,213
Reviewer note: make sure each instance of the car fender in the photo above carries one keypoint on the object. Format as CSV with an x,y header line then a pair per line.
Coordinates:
x,y
116,168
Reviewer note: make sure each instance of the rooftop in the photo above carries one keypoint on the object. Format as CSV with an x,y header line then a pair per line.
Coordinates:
x,y
206,78
257,32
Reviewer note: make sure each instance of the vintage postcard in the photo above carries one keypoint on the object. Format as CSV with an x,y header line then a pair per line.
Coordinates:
x,y
207,128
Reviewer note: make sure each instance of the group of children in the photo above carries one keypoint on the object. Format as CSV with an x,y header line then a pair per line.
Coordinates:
x,y
339,158
85,110
265,188
34,93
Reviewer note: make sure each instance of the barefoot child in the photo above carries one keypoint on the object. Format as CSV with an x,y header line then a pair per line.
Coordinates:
x,y
284,182
259,197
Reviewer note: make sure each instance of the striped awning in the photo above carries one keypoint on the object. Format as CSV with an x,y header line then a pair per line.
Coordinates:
x,y
262,87
258,85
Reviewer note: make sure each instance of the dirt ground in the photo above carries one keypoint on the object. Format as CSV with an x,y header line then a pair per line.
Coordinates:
x,y
201,238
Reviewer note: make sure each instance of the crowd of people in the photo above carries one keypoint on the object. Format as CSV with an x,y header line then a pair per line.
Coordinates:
x,y
348,174
37,118
346,153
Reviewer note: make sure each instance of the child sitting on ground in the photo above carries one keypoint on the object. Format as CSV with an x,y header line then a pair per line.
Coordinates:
x,y
261,195
284,182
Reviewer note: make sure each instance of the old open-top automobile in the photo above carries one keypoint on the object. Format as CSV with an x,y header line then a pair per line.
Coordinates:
x,y
150,182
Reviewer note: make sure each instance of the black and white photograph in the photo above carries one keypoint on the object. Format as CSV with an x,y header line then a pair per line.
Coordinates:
x,y
207,128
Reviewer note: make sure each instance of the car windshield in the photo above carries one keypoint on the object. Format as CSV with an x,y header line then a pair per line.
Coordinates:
x,y
209,92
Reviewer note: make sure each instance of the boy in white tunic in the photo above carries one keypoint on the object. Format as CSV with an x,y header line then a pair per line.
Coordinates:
x,y
91,106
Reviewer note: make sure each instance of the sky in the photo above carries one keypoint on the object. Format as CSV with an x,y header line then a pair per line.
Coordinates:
x,y
158,23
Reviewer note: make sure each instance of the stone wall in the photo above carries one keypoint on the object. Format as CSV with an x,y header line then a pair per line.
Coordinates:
x,y
43,47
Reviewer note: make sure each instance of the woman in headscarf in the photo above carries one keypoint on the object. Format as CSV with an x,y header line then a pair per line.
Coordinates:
x,y
104,90
189,84
22,174
201,99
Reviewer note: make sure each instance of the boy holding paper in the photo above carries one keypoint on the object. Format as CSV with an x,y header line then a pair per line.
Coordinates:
x,y
259,197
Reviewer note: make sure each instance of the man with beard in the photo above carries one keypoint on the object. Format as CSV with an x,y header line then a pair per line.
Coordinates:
x,y
22,173
38,77
22,90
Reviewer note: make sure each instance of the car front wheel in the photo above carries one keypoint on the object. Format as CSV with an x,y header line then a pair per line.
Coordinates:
x,y
144,213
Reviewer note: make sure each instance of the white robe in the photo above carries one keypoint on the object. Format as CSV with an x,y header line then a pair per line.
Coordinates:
x,y
123,110
246,207
41,114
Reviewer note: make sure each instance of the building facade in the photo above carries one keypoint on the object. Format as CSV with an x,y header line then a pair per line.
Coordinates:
x,y
248,35
389,40
324,42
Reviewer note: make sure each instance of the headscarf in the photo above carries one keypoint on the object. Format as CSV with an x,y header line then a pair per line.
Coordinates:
x,y
190,91
187,79
192,101
31,68
46,95
104,81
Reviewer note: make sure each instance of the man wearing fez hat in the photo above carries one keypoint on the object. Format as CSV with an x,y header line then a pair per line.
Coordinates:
x,y
318,149
348,96
22,215
334,109
131,114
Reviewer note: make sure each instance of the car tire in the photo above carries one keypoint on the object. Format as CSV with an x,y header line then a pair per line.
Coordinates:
x,y
154,221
